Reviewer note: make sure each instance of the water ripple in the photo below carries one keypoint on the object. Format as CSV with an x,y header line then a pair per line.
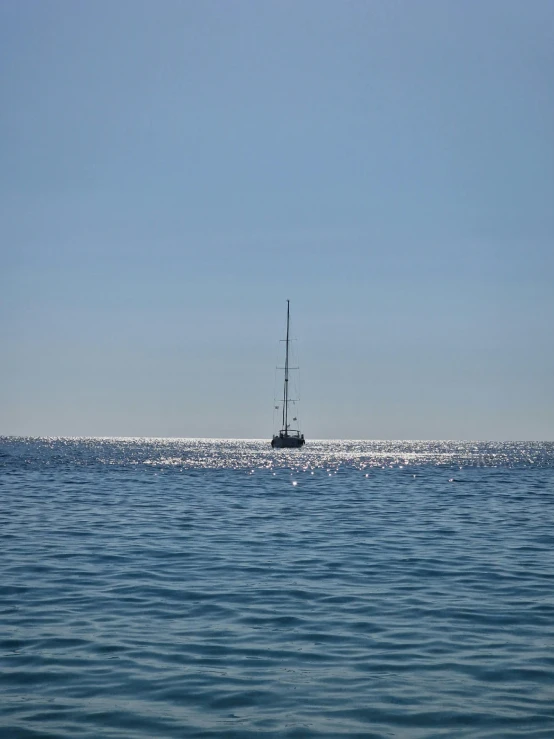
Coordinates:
x,y
175,588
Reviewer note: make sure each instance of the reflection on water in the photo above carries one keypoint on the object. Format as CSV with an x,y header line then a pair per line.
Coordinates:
x,y
257,453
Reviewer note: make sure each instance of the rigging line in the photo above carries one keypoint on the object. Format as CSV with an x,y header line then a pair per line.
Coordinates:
x,y
275,401
276,367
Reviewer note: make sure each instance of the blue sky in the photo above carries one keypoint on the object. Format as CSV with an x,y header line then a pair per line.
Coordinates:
x,y
173,172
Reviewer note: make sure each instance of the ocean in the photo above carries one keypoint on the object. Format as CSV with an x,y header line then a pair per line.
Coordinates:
x,y
169,588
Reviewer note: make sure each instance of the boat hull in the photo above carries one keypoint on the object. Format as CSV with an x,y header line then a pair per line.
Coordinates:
x,y
287,442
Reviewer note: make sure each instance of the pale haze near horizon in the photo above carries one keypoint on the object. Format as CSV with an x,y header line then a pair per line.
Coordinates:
x,y
173,172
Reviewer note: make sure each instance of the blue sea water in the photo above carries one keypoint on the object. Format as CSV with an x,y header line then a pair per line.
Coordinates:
x,y
215,588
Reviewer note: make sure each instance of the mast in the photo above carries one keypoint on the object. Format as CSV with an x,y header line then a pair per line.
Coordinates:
x,y
286,388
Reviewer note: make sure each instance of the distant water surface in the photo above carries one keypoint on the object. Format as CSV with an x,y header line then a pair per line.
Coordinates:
x,y
168,588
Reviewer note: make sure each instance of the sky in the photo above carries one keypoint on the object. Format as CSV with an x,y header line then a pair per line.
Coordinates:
x,y
171,173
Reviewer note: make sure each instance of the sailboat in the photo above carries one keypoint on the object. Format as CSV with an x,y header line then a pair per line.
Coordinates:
x,y
287,438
